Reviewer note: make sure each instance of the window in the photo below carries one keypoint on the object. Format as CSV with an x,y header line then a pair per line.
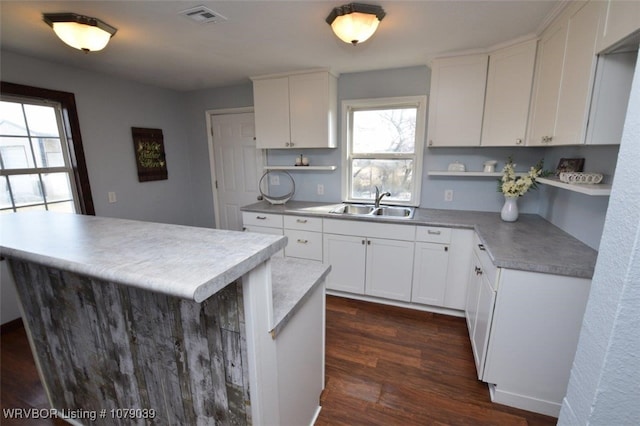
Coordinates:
x,y
383,148
41,162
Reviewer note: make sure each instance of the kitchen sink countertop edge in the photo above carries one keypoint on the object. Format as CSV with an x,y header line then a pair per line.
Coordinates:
x,y
530,244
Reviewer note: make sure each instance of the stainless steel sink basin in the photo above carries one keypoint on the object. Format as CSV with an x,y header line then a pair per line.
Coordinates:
x,y
396,212
354,209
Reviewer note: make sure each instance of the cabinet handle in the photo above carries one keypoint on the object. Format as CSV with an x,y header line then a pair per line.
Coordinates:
x,y
446,248
481,247
302,241
291,144
261,217
478,271
518,141
547,139
286,144
430,232
301,220
362,242
430,143
244,228
368,242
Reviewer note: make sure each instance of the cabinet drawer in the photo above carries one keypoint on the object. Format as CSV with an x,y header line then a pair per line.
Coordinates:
x,y
303,223
488,268
430,234
304,244
262,219
266,230
369,229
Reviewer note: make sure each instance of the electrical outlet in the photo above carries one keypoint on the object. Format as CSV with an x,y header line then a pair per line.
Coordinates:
x,y
112,197
274,179
448,194
320,189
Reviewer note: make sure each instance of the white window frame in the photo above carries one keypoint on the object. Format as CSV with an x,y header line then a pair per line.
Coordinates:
x,y
420,102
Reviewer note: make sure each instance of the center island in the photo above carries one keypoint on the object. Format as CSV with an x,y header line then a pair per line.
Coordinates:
x,y
163,324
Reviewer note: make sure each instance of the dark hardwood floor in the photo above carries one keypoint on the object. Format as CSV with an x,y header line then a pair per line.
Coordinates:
x,y
384,366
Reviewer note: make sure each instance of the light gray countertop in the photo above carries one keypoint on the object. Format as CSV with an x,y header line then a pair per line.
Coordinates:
x,y
182,261
293,281
529,244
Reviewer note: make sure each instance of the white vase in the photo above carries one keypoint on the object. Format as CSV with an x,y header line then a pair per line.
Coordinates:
x,y
509,212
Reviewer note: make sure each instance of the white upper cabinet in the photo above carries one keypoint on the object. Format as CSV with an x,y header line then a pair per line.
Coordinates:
x,y
564,79
295,111
457,100
508,96
621,19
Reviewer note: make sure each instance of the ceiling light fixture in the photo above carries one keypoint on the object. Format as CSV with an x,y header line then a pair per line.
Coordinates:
x,y
355,22
81,32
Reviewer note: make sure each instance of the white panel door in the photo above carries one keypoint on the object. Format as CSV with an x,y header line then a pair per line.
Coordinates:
x,y
389,269
346,255
430,273
237,166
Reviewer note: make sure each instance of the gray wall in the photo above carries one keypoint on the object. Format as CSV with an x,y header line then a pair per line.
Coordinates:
x,y
603,387
107,109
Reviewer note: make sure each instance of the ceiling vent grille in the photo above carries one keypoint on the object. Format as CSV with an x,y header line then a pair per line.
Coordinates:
x,y
202,15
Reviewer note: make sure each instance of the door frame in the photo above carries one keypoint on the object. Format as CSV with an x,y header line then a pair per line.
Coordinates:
x,y
212,163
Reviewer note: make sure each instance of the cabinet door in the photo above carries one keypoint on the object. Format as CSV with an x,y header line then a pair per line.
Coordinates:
x,y
457,100
621,19
577,76
309,96
271,105
430,266
484,315
389,269
508,95
460,257
346,255
547,85
473,292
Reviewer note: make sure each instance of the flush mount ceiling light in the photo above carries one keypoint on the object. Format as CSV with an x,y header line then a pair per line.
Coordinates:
x,y
81,32
355,22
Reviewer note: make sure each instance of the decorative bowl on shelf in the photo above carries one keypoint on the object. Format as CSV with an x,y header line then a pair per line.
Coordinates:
x,y
580,177
456,167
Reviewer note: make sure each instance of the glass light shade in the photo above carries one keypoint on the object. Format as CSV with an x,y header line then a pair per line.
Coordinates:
x,y
355,27
82,36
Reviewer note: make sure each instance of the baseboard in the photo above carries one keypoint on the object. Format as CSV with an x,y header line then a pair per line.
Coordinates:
x,y
315,416
524,402
414,306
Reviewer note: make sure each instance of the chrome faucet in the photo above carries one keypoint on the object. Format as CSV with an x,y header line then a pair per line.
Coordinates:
x,y
379,197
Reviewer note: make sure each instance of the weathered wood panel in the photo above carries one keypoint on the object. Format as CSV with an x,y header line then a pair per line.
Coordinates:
x,y
106,346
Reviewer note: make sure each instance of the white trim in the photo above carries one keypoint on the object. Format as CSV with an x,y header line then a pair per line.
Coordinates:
x,y
212,163
419,101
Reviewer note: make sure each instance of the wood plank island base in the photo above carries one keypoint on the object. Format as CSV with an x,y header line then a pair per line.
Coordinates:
x,y
184,325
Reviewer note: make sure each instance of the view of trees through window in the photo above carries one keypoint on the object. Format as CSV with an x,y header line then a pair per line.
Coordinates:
x,y
382,152
35,173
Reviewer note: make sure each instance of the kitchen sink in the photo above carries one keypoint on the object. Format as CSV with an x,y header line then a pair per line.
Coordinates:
x,y
396,212
399,212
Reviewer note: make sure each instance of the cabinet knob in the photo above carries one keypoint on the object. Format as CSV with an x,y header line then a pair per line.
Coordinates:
x,y
518,141
547,139
481,247
368,242
362,242
430,142
446,248
291,144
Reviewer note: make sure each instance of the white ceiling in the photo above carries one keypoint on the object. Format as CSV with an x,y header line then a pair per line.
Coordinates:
x,y
155,45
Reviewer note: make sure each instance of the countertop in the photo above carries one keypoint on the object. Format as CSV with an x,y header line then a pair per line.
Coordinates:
x,y
182,261
293,282
530,244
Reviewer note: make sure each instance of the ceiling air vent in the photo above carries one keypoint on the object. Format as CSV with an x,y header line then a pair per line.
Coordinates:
x,y
202,15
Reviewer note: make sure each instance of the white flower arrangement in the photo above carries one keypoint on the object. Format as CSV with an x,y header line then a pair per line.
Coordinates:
x,y
512,185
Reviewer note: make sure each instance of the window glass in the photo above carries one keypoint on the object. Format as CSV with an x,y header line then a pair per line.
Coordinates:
x,y
384,141
34,164
384,130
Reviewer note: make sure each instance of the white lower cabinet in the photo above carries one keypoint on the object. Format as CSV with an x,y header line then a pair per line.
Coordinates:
x,y
441,258
365,261
524,328
263,224
347,256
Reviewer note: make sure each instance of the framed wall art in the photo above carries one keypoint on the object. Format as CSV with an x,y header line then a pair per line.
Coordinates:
x,y
150,156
